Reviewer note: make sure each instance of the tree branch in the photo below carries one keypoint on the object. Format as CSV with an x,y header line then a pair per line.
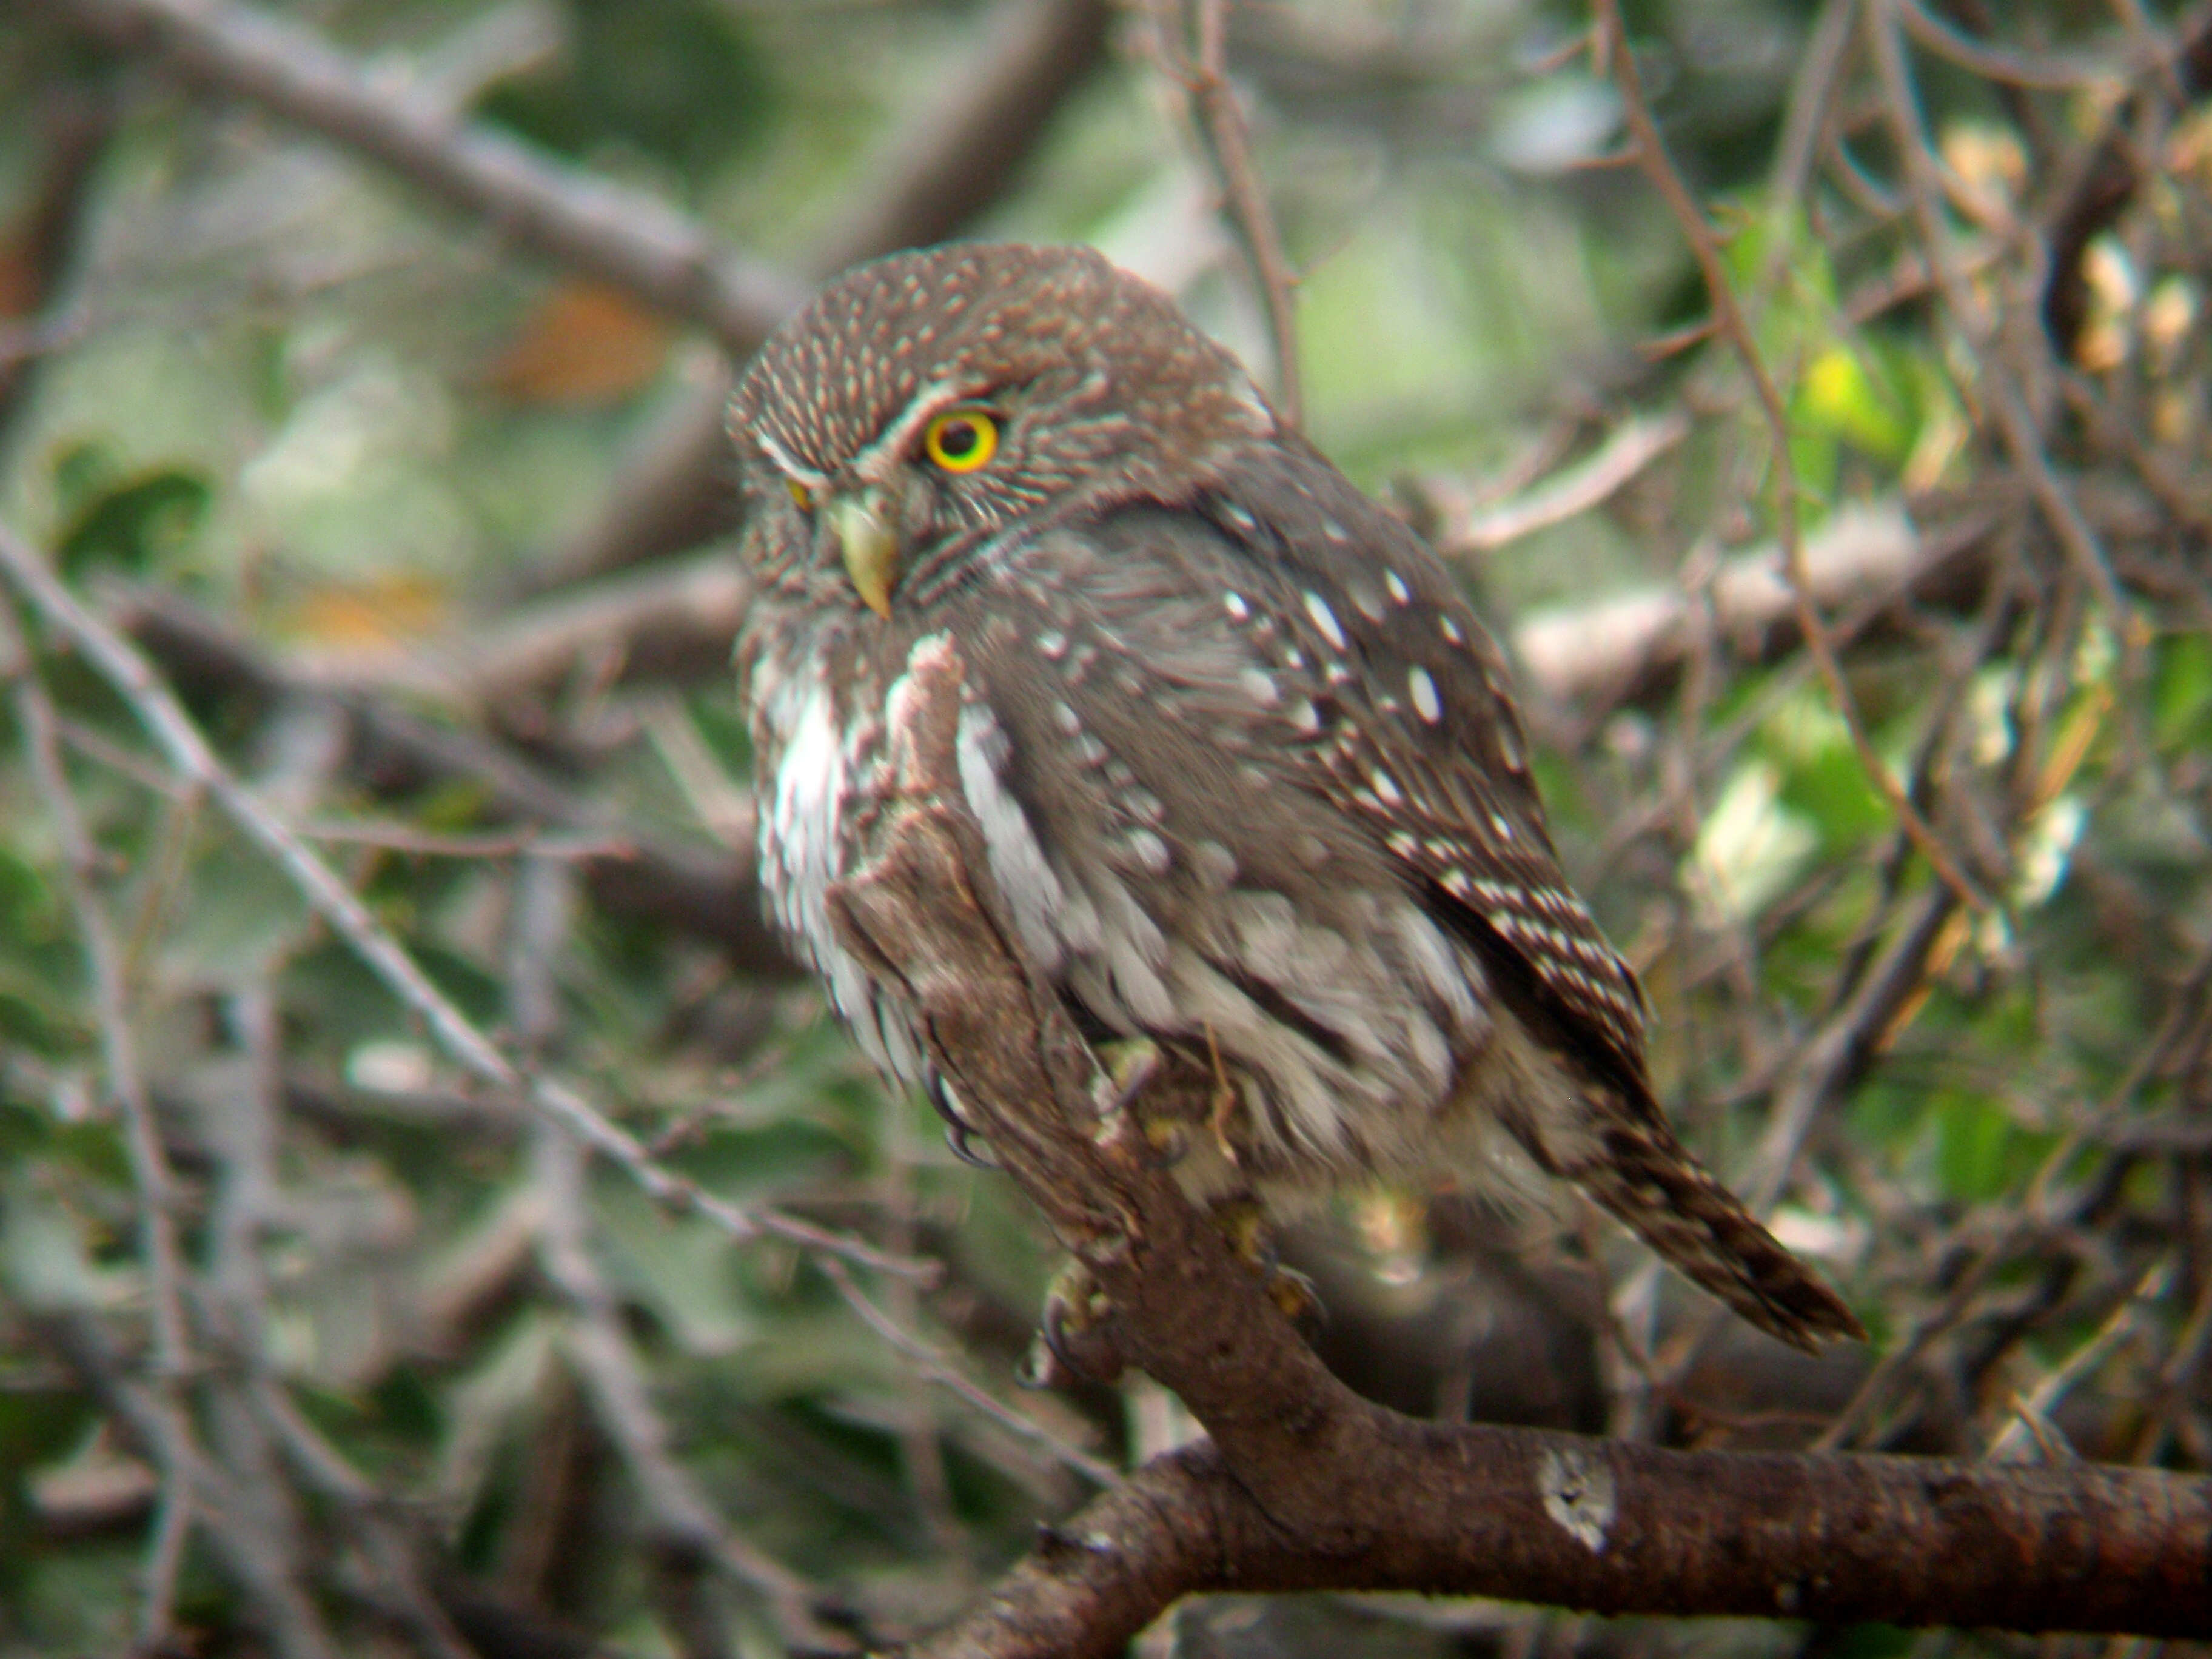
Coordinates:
x,y
1307,1487
676,886
932,177
957,155
603,230
188,753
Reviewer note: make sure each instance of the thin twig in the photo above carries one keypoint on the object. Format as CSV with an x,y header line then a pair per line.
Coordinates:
x,y
364,1508
260,1561
152,1180
2029,1216
2046,71
1729,320
173,1520
1193,51
612,1374
613,1377
947,1375
150,1175
1571,491
2124,1319
171,729
1967,314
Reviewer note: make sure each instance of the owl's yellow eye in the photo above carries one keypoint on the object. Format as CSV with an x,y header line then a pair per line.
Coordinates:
x,y
801,496
961,439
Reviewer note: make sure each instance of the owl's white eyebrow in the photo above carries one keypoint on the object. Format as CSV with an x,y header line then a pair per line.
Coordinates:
x,y
784,464
891,444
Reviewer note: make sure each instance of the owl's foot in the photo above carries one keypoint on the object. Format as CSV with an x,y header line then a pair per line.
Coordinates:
x,y
1222,1104
1131,1065
1245,1224
1071,1341
959,1134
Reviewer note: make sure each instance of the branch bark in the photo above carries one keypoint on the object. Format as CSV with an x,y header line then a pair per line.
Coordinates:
x,y
605,230
1304,1485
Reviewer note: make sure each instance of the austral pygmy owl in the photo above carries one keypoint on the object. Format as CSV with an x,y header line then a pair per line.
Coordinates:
x,y
1247,767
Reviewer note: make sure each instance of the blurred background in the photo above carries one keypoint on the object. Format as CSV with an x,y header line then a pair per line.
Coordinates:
x,y
434,1216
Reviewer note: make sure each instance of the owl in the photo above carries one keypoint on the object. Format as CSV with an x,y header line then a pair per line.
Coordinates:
x,y
1247,767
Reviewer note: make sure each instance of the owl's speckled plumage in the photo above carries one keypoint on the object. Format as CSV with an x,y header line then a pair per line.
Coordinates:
x,y
1247,766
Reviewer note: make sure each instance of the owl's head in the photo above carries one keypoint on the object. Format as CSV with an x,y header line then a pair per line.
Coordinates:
x,y
920,405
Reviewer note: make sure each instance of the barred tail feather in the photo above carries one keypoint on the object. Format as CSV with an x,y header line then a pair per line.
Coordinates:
x,y
1648,1180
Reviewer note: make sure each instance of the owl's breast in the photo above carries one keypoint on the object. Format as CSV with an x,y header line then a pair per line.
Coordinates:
x,y
817,706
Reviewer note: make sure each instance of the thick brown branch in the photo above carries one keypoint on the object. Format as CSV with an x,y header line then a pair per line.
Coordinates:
x,y
2107,184
1308,1487
933,177
957,155
605,230
1632,646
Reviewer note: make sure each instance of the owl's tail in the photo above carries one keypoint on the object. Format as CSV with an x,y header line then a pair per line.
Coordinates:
x,y
1638,1169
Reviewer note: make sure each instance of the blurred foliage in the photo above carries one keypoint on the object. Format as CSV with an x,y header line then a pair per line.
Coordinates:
x,y
348,425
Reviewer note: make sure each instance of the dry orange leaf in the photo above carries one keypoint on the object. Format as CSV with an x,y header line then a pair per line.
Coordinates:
x,y
583,343
355,615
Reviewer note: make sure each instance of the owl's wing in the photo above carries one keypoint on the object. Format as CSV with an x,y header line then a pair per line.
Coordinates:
x,y
1414,731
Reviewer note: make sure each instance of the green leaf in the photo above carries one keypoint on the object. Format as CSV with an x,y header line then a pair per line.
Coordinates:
x,y
2181,692
135,524
31,1015
677,80
1973,1141
1840,394
682,1267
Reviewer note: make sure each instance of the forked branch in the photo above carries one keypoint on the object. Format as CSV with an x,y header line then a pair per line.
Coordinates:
x,y
1304,1485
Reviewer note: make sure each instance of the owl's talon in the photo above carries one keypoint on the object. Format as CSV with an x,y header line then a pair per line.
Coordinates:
x,y
1243,1225
1071,1334
1222,1104
1041,1369
959,1134
1167,1142
1294,1293
961,1140
1129,1063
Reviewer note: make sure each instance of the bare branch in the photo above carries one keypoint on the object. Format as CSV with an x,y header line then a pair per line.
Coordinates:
x,y
1192,41
946,1372
1971,317
171,729
1864,561
260,1560
669,884
390,1554
1308,1487
612,1374
1728,320
934,175
600,228
126,1080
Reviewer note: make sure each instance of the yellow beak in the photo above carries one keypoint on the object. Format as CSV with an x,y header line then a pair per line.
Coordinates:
x,y
869,545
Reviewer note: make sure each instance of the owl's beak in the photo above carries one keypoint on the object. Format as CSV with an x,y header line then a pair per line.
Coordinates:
x,y
861,522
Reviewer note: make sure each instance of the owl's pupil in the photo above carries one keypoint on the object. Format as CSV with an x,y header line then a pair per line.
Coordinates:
x,y
958,440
